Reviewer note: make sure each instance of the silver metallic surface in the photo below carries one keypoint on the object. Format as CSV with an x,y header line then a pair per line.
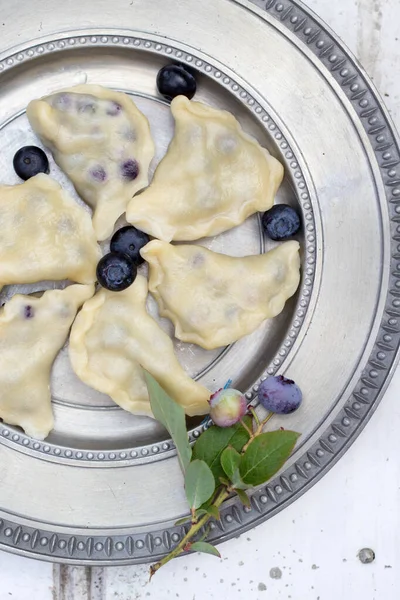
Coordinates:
x,y
105,488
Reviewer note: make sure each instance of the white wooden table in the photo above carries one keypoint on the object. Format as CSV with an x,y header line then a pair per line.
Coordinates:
x,y
308,552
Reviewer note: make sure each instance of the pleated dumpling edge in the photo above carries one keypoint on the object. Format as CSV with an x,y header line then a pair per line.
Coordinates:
x,y
102,142
213,299
213,176
114,339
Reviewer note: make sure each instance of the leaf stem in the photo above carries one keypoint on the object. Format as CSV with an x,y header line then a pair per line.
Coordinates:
x,y
194,529
246,428
258,431
255,415
267,418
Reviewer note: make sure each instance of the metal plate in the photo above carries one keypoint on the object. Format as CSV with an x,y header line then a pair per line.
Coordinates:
x,y
105,488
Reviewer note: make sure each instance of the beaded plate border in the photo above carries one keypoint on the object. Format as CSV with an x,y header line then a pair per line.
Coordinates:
x,y
269,499
50,451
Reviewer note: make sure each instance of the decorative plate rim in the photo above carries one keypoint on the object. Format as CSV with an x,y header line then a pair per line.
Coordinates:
x,y
51,451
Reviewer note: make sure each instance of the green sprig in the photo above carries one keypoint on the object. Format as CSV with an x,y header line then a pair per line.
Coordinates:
x,y
224,461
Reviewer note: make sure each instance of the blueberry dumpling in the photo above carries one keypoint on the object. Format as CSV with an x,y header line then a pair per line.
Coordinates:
x,y
212,178
32,331
45,234
213,299
102,141
114,338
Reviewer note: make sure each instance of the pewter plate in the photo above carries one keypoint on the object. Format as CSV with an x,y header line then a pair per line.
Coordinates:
x,y
105,488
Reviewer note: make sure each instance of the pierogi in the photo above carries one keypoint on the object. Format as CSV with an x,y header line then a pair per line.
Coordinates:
x,y
214,299
44,234
113,337
212,178
102,141
32,331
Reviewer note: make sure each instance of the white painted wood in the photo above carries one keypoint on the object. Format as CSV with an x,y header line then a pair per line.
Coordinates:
x,y
314,543
370,28
21,578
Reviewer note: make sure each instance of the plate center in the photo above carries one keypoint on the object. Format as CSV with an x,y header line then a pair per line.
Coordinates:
x,y
85,418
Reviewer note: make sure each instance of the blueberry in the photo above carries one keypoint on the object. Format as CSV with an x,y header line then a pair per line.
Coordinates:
x,y
281,222
129,241
130,169
175,80
29,161
227,407
280,395
116,272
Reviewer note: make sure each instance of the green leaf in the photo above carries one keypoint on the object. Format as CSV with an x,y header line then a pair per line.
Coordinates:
x,y
205,547
199,483
172,416
243,497
224,481
214,440
238,482
230,459
183,520
214,512
265,455
200,512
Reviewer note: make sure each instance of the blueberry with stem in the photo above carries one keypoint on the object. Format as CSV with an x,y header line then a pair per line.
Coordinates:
x,y
280,395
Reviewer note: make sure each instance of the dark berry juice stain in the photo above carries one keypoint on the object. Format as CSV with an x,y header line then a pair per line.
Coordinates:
x,y
114,109
130,169
29,312
62,101
198,260
129,135
87,106
98,173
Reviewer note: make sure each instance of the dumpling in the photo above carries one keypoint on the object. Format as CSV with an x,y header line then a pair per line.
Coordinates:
x,y
214,299
212,178
32,331
101,140
44,234
111,340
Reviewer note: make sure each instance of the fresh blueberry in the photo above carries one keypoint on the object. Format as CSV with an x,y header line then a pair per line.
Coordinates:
x,y
175,80
129,241
29,161
130,169
116,272
281,222
280,395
